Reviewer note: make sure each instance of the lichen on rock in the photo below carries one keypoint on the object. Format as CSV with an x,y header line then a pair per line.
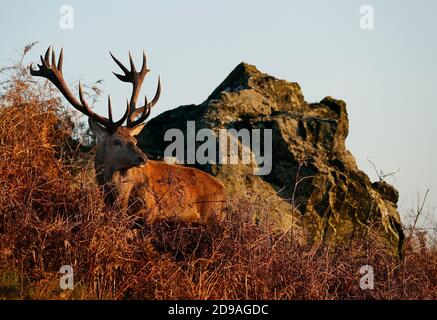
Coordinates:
x,y
314,183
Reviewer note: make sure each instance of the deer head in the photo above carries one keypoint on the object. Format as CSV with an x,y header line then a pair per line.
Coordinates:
x,y
116,145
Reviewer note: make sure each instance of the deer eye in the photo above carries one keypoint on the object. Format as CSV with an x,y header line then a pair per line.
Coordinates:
x,y
116,143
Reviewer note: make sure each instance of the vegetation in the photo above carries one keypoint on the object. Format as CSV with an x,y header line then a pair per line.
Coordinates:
x,y
52,214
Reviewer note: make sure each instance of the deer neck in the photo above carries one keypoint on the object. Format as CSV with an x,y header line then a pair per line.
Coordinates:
x,y
116,184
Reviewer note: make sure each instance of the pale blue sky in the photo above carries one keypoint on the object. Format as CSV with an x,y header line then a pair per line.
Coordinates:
x,y
387,76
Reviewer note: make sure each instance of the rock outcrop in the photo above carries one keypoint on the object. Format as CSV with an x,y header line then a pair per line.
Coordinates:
x,y
314,183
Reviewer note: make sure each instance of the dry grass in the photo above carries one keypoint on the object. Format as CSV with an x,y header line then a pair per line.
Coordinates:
x,y
52,214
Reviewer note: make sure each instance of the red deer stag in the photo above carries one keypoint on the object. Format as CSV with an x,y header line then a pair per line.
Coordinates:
x,y
127,177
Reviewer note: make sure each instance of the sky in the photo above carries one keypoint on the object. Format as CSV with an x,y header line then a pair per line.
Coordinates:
x,y
387,75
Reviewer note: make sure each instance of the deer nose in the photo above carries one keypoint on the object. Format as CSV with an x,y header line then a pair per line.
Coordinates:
x,y
142,159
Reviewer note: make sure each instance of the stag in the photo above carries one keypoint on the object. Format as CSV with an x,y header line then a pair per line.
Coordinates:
x,y
127,178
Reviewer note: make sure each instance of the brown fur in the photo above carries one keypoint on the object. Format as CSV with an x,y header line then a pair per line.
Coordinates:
x,y
156,189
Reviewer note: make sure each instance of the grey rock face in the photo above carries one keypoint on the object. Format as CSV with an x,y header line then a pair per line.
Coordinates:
x,y
314,183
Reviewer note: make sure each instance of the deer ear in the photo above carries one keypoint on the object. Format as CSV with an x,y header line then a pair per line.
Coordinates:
x,y
137,129
97,130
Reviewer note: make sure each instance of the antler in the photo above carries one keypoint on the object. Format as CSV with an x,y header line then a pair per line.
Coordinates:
x,y
49,70
137,78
